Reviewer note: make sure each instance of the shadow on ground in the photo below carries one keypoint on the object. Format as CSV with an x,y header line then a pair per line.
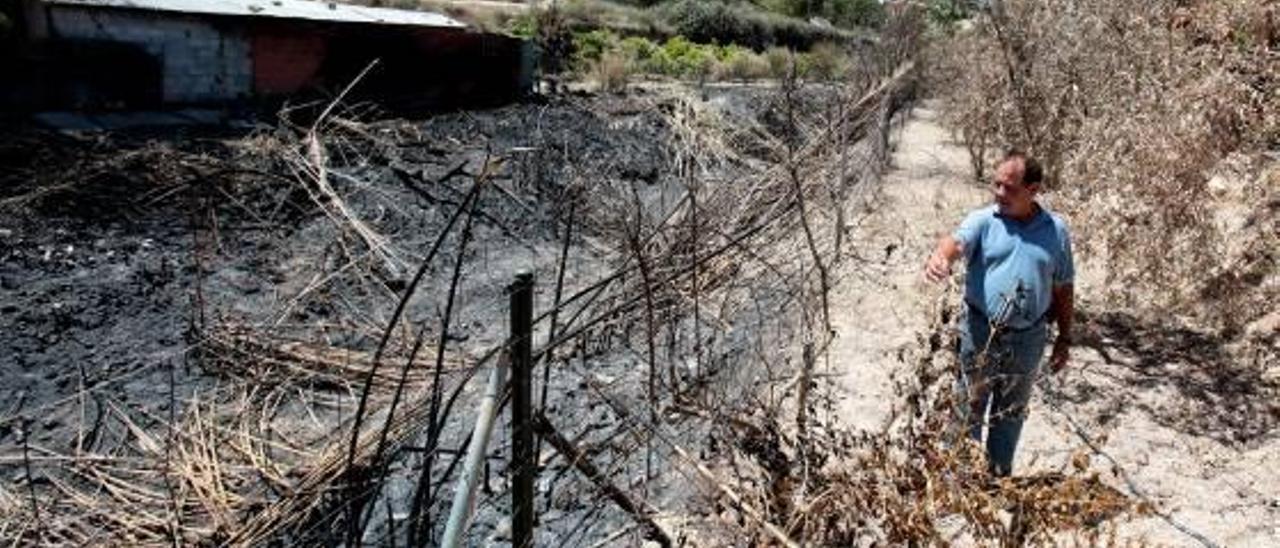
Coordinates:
x,y
1223,395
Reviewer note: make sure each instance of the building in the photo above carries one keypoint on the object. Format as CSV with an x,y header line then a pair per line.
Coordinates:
x,y
103,54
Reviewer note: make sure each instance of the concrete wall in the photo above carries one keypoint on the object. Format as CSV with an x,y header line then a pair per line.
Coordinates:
x,y
201,62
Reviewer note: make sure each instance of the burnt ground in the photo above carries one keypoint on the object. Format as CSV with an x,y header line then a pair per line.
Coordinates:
x,y
121,252
95,281
99,263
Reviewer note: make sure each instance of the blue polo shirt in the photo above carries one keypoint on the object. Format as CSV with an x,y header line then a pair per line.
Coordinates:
x,y
1015,262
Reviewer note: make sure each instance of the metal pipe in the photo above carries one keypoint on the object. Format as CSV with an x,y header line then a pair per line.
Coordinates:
x,y
464,495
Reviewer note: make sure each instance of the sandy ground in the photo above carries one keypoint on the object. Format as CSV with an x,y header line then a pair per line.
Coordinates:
x,y
1193,432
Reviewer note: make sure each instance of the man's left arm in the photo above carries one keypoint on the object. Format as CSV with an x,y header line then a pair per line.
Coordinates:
x,y
1063,309
1063,304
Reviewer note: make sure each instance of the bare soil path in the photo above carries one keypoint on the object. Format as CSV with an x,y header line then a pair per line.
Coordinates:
x,y
1185,424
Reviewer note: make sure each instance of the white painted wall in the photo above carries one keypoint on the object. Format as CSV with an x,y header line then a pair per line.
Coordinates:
x,y
201,62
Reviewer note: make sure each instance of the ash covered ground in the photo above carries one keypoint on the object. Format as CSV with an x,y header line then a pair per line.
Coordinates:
x,y
187,317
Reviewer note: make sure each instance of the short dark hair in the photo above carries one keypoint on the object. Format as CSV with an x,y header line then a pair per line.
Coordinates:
x,y
1032,173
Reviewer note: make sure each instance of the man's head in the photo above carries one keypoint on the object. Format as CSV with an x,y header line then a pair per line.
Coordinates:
x,y
1016,184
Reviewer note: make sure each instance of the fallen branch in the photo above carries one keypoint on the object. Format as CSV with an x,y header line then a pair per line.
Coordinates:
x,y
638,510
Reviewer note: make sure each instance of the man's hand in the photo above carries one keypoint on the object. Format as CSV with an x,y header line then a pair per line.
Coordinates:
x,y
938,267
1062,308
1061,354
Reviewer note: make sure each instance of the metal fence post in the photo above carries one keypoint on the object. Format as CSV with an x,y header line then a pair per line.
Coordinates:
x,y
523,457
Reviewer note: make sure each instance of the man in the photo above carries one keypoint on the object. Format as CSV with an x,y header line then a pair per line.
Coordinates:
x,y
1020,274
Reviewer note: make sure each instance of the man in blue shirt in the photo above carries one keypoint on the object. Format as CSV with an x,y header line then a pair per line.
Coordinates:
x,y
1020,274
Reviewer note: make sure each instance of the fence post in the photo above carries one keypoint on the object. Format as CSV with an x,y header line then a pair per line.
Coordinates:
x,y
523,457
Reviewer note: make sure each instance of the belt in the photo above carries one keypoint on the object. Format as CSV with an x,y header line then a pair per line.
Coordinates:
x,y
1039,323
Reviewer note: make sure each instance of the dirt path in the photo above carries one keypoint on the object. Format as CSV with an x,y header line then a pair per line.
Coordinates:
x,y
1187,428
882,305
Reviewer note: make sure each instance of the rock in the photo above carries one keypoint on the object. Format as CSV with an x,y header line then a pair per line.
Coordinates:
x,y
1265,327
1219,185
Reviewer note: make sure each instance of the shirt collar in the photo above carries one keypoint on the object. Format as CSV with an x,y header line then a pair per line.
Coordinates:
x,y
1040,216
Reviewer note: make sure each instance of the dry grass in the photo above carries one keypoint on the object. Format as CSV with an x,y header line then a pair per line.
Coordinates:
x,y
205,478
917,480
612,72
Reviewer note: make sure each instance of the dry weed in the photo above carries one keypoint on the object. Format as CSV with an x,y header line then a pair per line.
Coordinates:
x,y
612,72
919,479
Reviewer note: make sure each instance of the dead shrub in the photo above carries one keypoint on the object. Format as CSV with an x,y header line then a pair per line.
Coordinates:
x,y
611,72
779,61
745,67
916,481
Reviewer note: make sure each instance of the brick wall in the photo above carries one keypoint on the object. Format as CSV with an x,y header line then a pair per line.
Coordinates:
x,y
286,60
202,62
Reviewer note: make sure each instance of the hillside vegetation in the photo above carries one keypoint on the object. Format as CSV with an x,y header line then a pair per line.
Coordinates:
x,y
1159,123
758,23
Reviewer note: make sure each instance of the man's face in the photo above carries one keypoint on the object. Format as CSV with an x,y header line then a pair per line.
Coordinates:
x,y
1011,196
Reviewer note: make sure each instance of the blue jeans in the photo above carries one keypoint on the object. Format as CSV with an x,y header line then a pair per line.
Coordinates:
x,y
997,383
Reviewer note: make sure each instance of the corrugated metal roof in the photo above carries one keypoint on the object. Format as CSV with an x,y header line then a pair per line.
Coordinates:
x,y
285,9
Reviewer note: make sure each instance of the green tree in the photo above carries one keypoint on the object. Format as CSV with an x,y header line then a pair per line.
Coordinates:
x,y
946,12
855,13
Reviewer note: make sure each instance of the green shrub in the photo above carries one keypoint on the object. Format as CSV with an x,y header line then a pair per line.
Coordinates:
x,y
729,52
680,58
589,47
943,13
524,25
638,49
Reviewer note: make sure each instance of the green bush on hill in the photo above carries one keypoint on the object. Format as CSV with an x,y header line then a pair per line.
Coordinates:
x,y
681,58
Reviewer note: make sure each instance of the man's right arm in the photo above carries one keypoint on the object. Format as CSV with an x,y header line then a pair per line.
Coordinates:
x,y
955,245
938,268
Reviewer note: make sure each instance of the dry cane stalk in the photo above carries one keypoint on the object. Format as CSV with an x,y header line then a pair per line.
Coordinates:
x,y
437,422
